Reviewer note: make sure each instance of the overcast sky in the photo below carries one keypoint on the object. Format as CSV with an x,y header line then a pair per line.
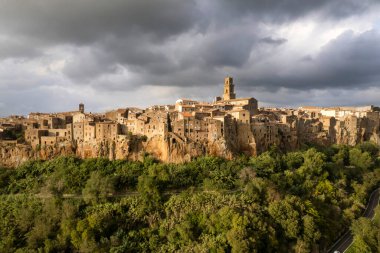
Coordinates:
x,y
55,54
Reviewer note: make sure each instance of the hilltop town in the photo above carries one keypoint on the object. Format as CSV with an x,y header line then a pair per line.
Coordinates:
x,y
178,132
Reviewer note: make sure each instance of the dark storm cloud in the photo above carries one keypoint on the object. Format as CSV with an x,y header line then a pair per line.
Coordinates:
x,y
85,21
349,61
139,50
127,30
227,49
122,45
106,33
137,53
288,10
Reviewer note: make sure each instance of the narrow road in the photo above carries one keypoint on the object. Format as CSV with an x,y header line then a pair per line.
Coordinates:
x,y
344,242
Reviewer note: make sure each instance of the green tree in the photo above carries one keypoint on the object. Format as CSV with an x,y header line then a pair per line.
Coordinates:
x,y
265,164
293,160
98,188
359,159
286,214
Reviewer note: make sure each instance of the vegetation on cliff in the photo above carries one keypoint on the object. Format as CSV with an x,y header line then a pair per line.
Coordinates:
x,y
276,202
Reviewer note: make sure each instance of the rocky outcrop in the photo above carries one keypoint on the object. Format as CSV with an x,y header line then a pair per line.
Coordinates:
x,y
176,149
12,155
355,130
134,149
168,150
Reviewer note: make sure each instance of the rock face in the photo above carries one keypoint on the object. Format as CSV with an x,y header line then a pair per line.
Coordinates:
x,y
12,155
356,130
173,148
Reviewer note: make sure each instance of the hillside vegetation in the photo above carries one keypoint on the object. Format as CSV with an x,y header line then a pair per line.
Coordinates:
x,y
293,202
366,234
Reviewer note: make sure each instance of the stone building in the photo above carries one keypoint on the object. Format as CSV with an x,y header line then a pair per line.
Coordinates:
x,y
89,133
77,128
118,115
241,115
229,125
79,117
48,141
185,105
230,102
191,128
33,136
106,131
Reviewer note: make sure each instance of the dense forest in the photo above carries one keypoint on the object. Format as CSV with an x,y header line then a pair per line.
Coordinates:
x,y
366,234
275,202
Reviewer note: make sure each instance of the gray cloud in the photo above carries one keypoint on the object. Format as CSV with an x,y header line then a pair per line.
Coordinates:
x,y
123,46
349,61
272,41
280,11
84,21
17,48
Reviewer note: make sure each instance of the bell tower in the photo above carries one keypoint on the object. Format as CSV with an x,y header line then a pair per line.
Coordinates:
x,y
81,107
229,88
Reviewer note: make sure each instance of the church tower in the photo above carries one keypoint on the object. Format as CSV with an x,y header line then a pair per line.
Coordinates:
x,y
229,89
81,107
